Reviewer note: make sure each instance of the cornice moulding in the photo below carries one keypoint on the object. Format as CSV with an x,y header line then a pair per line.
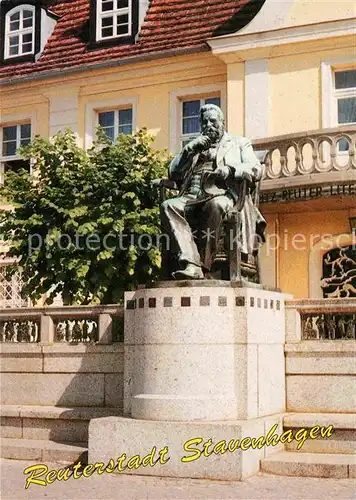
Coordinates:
x,y
239,42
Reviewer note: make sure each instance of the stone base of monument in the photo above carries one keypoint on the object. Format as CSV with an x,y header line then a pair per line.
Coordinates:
x,y
200,449
204,360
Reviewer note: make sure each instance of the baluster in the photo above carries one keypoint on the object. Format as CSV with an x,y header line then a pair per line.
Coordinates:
x,y
268,170
333,153
284,161
315,155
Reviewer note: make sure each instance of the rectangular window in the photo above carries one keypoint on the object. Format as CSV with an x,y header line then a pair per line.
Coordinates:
x,y
114,18
116,122
345,96
190,117
12,138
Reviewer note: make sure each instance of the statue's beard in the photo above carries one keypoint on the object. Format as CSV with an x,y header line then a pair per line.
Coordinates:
x,y
214,134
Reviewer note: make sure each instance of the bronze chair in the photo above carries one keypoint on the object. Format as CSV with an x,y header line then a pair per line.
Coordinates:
x,y
229,263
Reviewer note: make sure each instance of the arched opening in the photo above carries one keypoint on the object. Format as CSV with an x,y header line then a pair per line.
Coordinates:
x,y
20,31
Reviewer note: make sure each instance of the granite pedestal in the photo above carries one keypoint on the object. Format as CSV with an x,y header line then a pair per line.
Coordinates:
x,y
202,359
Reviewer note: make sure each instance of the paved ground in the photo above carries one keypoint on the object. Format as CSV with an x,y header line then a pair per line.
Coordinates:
x,y
114,487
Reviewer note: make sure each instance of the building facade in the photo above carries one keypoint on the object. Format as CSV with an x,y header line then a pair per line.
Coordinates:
x,y
284,73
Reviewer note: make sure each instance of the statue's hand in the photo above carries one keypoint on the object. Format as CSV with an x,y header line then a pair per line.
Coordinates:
x,y
244,175
222,173
201,143
248,177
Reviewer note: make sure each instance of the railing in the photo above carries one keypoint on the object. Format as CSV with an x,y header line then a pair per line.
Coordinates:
x,y
313,152
75,324
323,319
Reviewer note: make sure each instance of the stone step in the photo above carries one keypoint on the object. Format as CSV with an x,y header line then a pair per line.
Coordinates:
x,y
342,440
50,423
298,464
40,451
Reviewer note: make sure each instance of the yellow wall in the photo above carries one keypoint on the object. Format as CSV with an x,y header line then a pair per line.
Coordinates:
x,y
295,90
153,101
10,110
313,221
293,263
150,83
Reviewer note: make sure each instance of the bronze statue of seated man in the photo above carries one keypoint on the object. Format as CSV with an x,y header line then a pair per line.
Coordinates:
x,y
226,161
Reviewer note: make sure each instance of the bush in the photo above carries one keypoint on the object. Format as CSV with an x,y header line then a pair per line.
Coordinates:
x,y
77,222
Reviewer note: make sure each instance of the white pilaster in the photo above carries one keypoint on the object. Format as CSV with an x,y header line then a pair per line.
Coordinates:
x,y
256,98
63,113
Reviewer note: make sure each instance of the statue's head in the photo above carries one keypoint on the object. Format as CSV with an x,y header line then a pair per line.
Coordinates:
x,y
212,122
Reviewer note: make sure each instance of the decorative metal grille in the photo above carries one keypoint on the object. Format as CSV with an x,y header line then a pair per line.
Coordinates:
x,y
329,326
19,331
10,290
79,330
339,273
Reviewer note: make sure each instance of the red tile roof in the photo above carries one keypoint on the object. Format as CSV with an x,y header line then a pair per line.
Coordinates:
x,y
168,25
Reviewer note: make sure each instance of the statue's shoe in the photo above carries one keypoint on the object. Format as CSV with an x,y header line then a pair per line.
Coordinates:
x,y
191,272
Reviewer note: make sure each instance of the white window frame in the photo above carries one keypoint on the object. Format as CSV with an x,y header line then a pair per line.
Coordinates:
x,y
9,121
116,112
94,108
18,139
341,94
330,95
177,97
100,15
20,32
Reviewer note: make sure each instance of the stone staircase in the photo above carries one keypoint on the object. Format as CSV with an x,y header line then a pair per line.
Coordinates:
x,y
334,457
48,433
51,390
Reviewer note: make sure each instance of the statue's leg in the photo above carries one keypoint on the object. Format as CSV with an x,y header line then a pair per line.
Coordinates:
x,y
213,213
179,231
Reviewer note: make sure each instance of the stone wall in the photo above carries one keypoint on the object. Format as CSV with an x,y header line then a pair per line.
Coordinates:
x,y
320,376
67,375
321,355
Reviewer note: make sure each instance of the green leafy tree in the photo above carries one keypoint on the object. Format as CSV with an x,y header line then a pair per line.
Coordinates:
x,y
83,223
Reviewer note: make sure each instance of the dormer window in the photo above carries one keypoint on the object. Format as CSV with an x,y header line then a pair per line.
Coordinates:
x,y
115,22
114,19
26,27
20,31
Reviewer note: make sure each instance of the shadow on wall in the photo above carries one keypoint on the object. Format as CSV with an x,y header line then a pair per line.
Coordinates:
x,y
84,382
241,19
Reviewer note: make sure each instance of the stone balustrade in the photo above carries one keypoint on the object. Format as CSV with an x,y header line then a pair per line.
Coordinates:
x,y
71,324
293,156
307,319
321,319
